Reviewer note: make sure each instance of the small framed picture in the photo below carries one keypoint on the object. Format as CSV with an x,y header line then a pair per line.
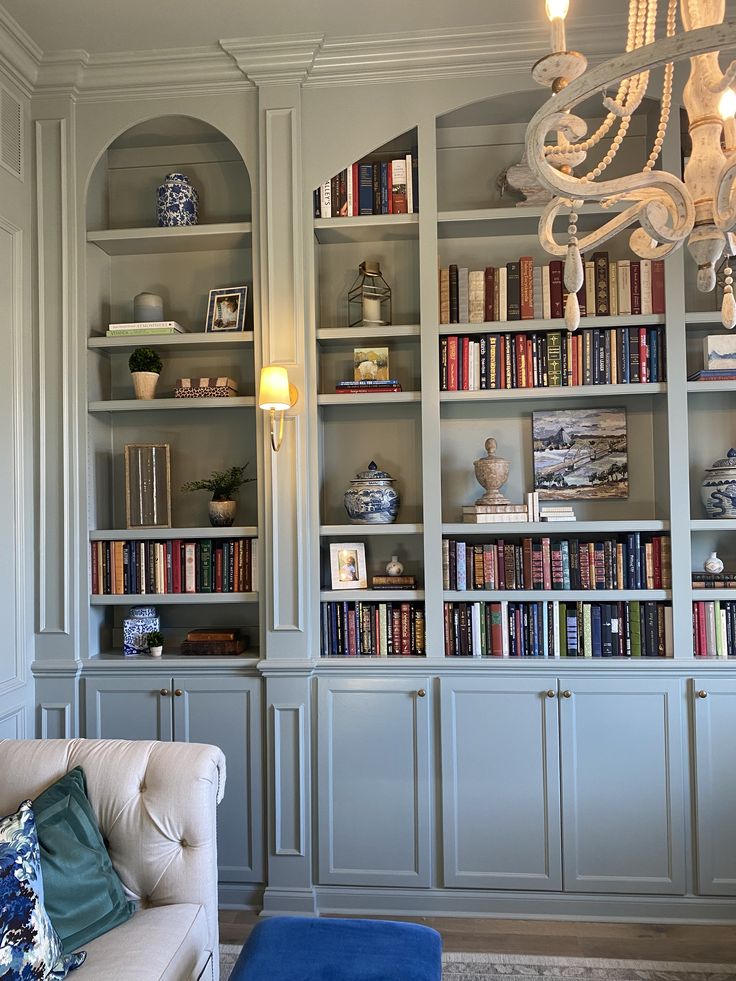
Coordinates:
x,y
226,309
370,364
148,485
347,565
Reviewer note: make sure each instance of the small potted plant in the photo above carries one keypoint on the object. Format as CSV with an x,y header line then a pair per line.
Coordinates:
x,y
222,484
155,641
145,367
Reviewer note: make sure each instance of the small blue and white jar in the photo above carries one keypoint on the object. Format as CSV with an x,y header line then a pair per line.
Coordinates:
x,y
140,622
718,489
372,499
178,202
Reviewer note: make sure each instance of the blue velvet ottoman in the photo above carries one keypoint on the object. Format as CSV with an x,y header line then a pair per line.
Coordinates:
x,y
290,948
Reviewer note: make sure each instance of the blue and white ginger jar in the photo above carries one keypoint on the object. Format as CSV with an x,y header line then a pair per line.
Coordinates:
x,y
178,201
372,499
141,621
718,490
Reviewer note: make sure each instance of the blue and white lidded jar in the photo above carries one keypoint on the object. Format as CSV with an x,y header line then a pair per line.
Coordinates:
x,y
178,201
718,489
372,499
140,622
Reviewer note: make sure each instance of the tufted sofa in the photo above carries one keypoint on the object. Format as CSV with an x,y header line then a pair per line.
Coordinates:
x,y
155,803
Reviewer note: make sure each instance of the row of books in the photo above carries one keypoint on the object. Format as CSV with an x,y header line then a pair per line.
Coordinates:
x,y
371,187
558,629
714,580
714,628
521,290
550,359
634,561
371,629
366,387
172,566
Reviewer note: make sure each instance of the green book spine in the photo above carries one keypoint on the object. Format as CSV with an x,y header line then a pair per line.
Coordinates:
x,y
554,359
483,632
587,631
635,627
142,330
562,617
205,553
721,647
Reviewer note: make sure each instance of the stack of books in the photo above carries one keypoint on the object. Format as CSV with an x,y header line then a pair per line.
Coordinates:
x,y
367,385
482,514
710,580
214,642
719,359
561,513
144,328
713,374
394,582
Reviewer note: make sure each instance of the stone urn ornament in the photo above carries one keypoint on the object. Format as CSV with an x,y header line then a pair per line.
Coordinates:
x,y
491,472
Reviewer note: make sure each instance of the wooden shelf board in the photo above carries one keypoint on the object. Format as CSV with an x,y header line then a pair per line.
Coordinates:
x,y
183,599
185,238
713,524
174,342
361,335
347,532
159,405
564,595
164,534
711,386
376,398
372,595
525,326
366,228
553,394
503,528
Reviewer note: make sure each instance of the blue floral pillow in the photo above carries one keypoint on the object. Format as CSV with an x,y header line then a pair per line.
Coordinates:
x,y
30,948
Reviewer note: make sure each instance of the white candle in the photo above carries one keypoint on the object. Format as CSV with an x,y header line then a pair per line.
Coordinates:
x,y
371,310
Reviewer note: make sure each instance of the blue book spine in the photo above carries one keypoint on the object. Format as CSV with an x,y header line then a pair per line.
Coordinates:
x,y
565,549
536,646
638,561
384,187
415,177
365,189
653,354
595,630
625,361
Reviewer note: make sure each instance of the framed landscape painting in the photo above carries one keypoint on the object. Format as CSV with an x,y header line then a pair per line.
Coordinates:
x,y
580,454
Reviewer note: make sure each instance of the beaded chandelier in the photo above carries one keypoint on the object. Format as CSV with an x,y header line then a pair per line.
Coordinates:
x,y
701,208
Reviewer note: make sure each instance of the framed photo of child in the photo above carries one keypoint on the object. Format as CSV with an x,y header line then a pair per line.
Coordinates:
x,y
226,309
347,565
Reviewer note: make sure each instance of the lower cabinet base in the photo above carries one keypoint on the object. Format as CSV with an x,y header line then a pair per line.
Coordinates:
x,y
295,902
240,895
466,902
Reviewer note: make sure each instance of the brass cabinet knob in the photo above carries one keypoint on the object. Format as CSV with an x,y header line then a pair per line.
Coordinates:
x,y
165,691
178,692
551,693
421,693
702,694
567,693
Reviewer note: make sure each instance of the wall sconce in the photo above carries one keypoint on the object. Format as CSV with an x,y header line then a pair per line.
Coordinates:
x,y
276,394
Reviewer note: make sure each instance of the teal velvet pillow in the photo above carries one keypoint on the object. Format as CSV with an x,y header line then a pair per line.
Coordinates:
x,y
83,895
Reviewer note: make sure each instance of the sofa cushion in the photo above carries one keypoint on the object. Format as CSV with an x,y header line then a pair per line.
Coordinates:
x,y
82,892
29,945
162,942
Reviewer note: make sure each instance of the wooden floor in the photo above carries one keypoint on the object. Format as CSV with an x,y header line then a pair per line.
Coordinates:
x,y
564,938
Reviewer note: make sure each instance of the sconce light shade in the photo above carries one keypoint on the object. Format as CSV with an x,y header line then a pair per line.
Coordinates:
x,y
274,389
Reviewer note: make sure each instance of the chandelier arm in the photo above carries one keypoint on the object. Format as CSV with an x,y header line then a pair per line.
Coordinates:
x,y
616,224
721,84
724,211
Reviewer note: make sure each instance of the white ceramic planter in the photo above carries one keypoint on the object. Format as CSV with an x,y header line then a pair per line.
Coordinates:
x,y
155,651
144,383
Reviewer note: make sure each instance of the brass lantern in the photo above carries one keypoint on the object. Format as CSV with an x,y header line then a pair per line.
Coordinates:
x,y
369,299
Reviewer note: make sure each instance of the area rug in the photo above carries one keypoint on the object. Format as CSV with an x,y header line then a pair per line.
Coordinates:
x,y
523,967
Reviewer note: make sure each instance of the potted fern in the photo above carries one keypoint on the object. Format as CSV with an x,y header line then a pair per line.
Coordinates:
x,y
155,641
222,484
145,367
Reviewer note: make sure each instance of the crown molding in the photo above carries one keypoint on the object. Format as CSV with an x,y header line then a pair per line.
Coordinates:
x,y
264,60
143,74
20,56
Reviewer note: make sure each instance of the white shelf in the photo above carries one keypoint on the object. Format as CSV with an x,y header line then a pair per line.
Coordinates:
x,y
372,595
366,228
165,599
503,528
704,318
713,524
553,394
361,335
564,595
711,386
485,222
377,398
166,534
185,238
173,342
159,405
354,530
526,326
714,594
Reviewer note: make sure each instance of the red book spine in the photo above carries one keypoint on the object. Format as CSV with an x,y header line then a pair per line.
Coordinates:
x,y
248,565
528,563
657,561
94,549
635,288
546,564
448,633
356,190
352,635
531,363
405,629
502,360
520,347
702,629
489,313
555,289
584,563
389,176
176,565
218,570
452,363
574,359
526,277
496,629
657,285
395,628
466,363
643,355
488,580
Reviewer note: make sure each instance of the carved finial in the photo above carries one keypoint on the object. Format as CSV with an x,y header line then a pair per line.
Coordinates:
x,y
491,446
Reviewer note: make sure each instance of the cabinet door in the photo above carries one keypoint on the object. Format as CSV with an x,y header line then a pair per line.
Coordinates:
x,y
373,782
128,708
500,784
622,785
715,785
226,712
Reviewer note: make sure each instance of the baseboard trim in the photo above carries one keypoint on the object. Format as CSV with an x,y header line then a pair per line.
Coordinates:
x,y
239,895
466,902
296,902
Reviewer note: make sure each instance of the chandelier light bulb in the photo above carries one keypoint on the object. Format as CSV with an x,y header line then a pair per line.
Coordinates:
x,y
557,9
727,104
